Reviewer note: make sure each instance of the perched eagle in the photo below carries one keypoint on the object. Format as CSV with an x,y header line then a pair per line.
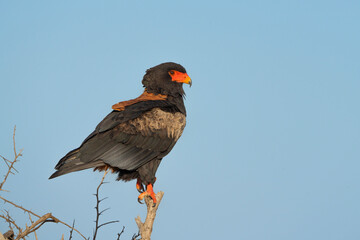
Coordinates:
x,y
133,139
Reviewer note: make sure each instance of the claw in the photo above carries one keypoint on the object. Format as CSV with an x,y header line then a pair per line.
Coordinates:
x,y
139,186
149,192
139,200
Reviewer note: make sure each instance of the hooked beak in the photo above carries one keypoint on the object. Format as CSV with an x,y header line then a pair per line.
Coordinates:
x,y
180,77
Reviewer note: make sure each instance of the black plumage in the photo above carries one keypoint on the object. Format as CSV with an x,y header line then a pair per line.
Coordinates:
x,y
133,139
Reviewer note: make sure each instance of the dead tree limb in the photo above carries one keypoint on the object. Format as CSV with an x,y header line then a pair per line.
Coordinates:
x,y
35,224
145,228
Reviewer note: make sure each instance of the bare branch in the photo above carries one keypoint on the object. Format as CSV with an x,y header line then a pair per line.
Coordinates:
x,y
15,154
103,210
58,221
10,164
145,228
33,226
6,161
20,207
41,219
135,236
103,224
72,229
11,222
37,224
32,222
98,213
119,234
97,207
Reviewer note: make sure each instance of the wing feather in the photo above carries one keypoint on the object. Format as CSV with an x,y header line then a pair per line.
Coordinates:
x,y
125,139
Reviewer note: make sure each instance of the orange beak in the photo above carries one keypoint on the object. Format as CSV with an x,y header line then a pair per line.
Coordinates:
x,y
180,77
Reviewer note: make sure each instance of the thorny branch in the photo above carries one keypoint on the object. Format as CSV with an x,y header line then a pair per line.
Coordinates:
x,y
97,207
20,207
135,236
119,234
10,221
9,163
35,225
32,222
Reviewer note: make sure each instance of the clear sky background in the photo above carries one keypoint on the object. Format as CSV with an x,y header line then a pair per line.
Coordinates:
x,y
272,143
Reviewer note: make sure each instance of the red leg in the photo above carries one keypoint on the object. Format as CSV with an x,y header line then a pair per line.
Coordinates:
x,y
149,192
139,186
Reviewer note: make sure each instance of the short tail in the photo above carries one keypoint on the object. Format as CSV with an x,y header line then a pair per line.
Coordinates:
x,y
72,163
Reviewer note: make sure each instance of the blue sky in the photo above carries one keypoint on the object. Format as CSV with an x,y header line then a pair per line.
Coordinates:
x,y
271,146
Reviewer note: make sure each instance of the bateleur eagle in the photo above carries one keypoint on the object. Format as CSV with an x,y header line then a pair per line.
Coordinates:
x,y
133,139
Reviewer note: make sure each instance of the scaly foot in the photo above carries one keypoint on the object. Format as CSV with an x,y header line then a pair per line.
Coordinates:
x,y
139,186
149,192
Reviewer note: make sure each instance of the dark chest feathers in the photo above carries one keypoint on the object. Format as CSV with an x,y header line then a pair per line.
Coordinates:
x,y
156,122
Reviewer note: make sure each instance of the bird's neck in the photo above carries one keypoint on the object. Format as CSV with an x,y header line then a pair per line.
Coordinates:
x,y
176,102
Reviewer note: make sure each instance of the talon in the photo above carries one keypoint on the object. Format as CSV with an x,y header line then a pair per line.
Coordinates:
x,y
139,200
149,192
139,186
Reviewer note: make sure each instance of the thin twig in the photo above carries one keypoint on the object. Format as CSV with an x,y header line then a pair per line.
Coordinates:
x,y
44,220
6,219
103,224
135,236
11,166
33,223
58,221
119,234
6,161
72,229
14,142
17,206
41,219
11,222
98,213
